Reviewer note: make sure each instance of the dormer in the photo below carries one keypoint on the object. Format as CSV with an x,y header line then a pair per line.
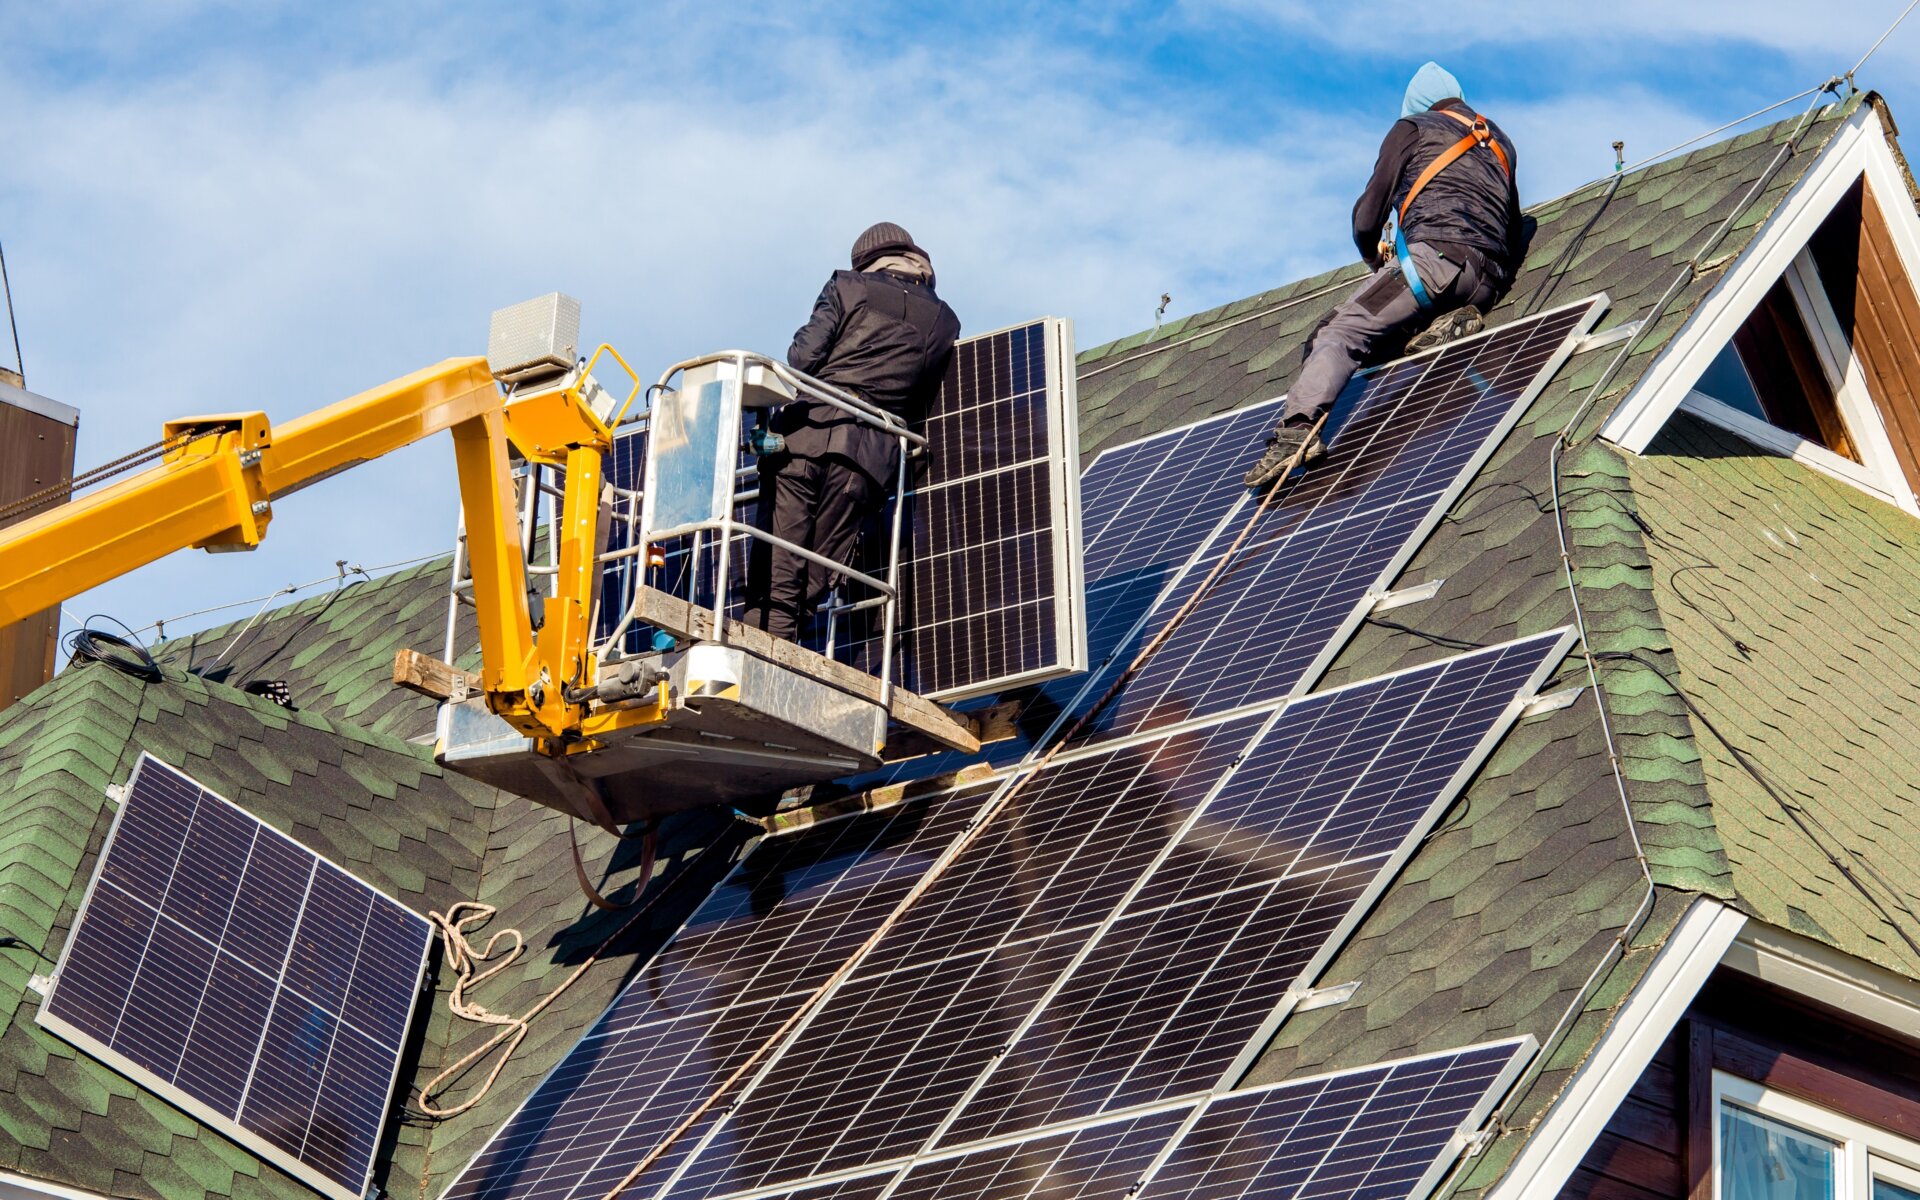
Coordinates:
x,y
1809,345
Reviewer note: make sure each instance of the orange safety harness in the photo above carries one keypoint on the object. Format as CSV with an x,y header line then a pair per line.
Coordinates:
x,y
1478,134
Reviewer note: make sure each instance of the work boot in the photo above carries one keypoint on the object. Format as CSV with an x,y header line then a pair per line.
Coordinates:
x,y
1283,444
1447,327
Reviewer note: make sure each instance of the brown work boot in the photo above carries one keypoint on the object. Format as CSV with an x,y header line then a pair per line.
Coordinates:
x,y
1448,326
1283,446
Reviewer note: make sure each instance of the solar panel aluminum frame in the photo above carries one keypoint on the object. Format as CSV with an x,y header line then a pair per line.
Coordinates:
x,y
1356,912
1063,434
1443,503
199,1110
1396,861
1525,1047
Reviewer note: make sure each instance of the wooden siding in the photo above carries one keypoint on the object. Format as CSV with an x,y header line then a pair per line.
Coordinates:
x,y
1658,1143
35,452
1879,311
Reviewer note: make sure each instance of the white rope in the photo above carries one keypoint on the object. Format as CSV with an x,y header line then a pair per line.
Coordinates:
x,y
463,957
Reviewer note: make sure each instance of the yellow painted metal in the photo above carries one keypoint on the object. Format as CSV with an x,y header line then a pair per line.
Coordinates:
x,y
495,559
546,425
632,374
214,488
202,496
379,421
563,640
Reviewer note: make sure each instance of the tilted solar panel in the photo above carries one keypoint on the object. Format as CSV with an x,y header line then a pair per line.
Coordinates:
x,y
1147,507
234,972
1257,893
1084,1164
877,1071
1390,1130
1418,430
991,560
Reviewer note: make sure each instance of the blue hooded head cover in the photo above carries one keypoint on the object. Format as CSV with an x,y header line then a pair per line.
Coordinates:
x,y
1431,84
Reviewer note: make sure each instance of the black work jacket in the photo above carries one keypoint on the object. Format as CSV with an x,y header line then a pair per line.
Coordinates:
x,y
1472,205
883,337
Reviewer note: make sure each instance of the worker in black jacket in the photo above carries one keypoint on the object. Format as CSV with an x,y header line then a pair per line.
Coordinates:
x,y
880,332
1445,174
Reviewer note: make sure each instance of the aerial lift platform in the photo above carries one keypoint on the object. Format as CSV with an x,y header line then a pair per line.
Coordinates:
x,y
711,712
734,713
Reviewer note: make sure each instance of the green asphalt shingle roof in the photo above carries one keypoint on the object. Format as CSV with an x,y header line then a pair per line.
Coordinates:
x,y
1491,930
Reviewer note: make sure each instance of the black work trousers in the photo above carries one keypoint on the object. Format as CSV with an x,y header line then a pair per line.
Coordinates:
x,y
1375,323
816,501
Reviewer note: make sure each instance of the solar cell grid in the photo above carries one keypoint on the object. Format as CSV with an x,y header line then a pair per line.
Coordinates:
x,y
1099,1161
1385,1131
1066,848
1277,612
1148,507
990,553
242,977
876,1069
1246,905
1161,1007
783,921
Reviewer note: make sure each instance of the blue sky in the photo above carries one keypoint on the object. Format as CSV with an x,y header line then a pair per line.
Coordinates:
x,y
226,206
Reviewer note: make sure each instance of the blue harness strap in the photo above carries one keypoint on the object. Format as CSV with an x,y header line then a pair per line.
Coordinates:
x,y
1407,269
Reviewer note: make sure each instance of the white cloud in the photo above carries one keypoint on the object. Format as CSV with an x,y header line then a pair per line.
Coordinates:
x,y
204,212
238,238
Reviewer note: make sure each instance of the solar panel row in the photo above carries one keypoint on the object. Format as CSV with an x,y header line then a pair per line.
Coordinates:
x,y
781,922
1050,976
243,977
1157,512
1381,1132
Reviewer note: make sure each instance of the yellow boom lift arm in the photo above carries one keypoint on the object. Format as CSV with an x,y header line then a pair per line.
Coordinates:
x,y
220,475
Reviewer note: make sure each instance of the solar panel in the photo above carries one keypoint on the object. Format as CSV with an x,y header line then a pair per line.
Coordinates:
x,y
1255,896
782,921
1099,1161
991,562
1418,430
888,1055
1385,1131
227,968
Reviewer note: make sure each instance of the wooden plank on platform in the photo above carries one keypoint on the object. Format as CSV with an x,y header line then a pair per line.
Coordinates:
x,y
917,713
432,678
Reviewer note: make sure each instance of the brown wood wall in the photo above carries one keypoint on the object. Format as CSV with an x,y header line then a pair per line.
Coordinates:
x,y
1855,252
1658,1144
35,452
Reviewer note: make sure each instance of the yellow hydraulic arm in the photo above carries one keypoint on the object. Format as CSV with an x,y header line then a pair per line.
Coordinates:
x,y
220,475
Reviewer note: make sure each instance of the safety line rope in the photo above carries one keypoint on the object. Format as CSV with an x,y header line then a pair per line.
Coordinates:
x,y
970,835
468,915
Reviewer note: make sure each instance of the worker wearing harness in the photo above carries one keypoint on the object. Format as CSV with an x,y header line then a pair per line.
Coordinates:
x,y
1446,174
880,332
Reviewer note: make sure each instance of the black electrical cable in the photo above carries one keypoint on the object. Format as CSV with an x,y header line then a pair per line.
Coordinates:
x,y
1438,639
10,942
87,644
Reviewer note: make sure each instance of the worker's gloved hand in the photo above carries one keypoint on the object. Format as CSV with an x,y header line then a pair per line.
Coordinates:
x,y
763,441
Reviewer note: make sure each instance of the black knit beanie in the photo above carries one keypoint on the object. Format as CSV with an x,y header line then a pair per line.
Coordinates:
x,y
882,239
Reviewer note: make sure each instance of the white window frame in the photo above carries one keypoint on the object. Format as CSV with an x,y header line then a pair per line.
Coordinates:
x,y
1879,471
1857,150
1864,1150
